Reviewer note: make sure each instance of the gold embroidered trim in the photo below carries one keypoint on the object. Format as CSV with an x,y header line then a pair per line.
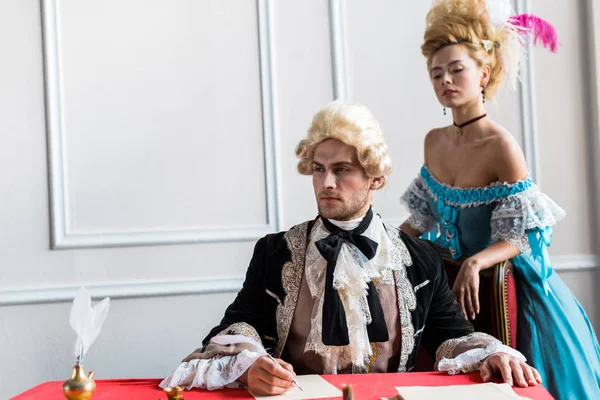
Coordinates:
x,y
446,349
241,328
291,277
407,300
372,357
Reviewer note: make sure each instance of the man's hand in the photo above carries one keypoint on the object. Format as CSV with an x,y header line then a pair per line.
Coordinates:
x,y
266,377
511,369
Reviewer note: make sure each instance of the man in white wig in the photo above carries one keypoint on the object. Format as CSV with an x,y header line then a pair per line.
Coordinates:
x,y
345,292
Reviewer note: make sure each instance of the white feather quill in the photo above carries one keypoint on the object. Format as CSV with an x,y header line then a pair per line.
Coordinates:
x,y
86,321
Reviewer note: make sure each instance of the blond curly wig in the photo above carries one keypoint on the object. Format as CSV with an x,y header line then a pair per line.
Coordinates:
x,y
466,22
352,124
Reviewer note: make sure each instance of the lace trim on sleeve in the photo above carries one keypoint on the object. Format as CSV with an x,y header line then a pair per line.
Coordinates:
x,y
446,349
219,366
241,328
415,200
471,360
213,373
517,214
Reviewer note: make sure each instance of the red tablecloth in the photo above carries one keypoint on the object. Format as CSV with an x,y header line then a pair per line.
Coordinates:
x,y
366,387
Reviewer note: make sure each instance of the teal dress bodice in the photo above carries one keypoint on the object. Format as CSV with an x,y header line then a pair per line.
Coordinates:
x,y
452,223
554,332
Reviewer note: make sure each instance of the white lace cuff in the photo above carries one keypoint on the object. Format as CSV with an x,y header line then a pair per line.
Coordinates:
x,y
219,371
214,373
471,360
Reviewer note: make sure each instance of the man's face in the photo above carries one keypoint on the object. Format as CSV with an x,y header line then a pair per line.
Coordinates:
x,y
342,188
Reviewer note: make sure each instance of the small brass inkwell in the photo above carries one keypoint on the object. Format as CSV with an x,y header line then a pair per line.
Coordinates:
x,y
86,321
174,392
79,386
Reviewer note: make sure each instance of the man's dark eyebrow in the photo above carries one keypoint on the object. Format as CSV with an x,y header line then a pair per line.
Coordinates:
x,y
344,163
449,64
338,164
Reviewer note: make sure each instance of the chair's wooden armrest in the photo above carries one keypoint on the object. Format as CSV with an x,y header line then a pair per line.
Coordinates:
x,y
498,275
502,271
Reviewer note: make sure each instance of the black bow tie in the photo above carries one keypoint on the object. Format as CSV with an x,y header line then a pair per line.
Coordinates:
x,y
335,327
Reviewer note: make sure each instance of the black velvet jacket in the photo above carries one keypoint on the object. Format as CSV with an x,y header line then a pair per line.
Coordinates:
x,y
264,307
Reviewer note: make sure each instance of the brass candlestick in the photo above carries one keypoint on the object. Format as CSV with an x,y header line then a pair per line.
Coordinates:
x,y
79,386
174,393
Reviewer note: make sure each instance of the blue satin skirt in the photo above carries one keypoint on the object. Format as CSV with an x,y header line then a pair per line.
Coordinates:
x,y
555,334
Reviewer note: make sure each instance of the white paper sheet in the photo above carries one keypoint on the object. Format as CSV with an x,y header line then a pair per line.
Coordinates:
x,y
315,387
487,391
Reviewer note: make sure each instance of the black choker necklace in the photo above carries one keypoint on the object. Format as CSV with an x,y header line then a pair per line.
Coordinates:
x,y
468,122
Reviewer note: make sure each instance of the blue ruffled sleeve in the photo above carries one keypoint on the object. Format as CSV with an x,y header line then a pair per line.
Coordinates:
x,y
526,220
516,216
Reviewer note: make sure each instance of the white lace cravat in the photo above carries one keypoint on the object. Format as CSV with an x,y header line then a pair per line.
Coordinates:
x,y
352,273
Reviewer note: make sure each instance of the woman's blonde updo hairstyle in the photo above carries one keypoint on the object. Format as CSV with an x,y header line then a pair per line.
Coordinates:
x,y
354,125
466,22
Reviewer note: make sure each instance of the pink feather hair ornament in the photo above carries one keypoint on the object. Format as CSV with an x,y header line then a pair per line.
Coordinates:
x,y
541,30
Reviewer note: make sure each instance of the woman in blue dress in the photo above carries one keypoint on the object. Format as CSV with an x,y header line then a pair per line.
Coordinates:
x,y
474,191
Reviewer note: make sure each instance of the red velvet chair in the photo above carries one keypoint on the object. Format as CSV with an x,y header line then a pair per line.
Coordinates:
x,y
497,301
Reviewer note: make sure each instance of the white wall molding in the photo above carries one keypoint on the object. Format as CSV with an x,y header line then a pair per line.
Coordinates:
x,y
272,165
63,237
337,23
62,294
528,110
135,290
578,262
592,12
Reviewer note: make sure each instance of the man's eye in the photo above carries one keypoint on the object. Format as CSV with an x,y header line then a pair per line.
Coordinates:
x,y
436,77
343,169
318,169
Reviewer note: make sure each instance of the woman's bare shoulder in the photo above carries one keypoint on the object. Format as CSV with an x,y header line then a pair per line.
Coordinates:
x,y
435,136
507,155
434,141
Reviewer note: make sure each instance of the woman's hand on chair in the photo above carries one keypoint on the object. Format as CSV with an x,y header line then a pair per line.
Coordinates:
x,y
466,287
